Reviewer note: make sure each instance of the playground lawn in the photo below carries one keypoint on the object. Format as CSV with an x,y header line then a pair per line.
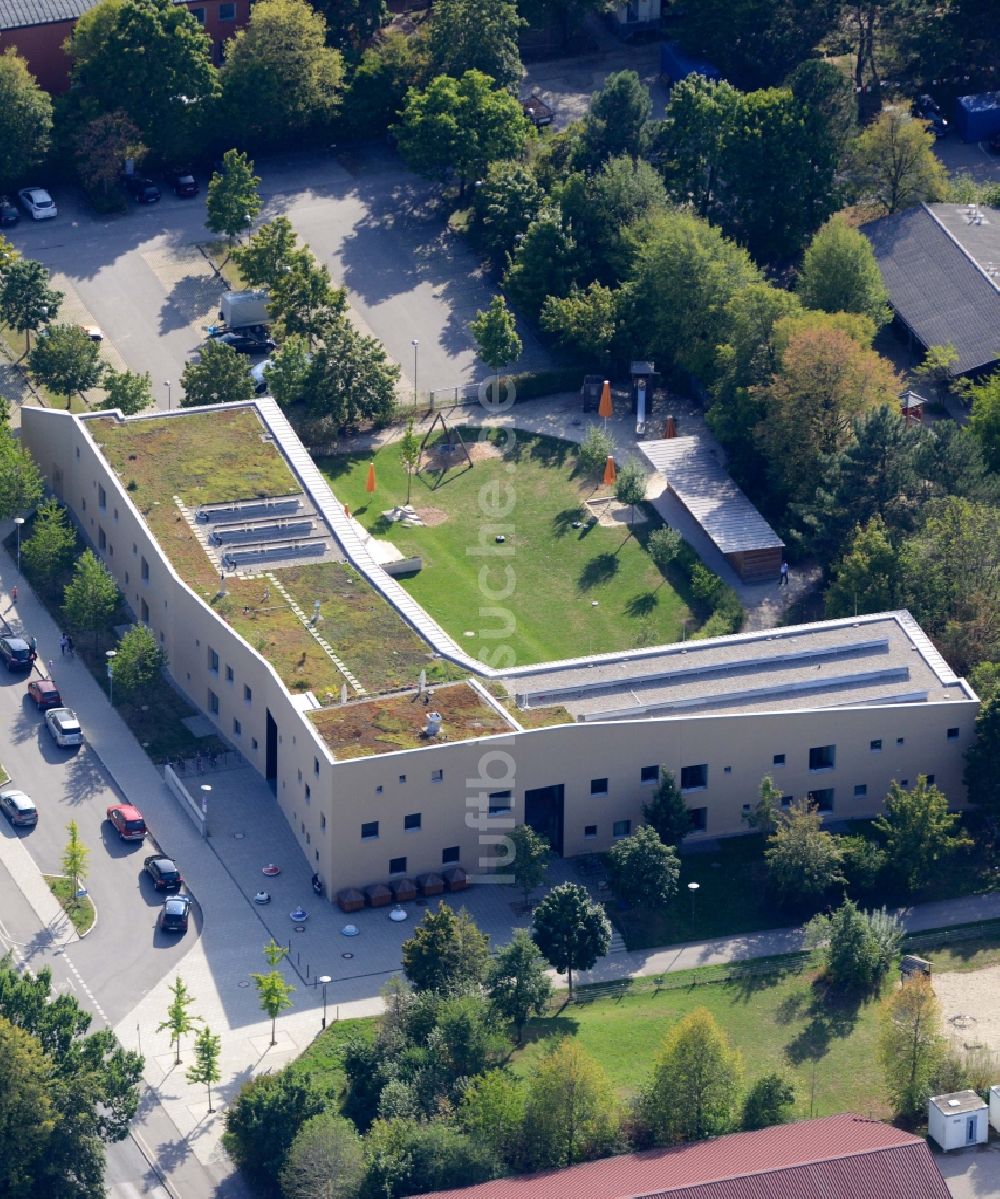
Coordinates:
x,y
575,591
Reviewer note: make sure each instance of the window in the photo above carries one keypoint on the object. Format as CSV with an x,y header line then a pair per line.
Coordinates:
x,y
213,702
930,780
199,15
237,728
135,548
247,694
230,677
900,740
953,734
369,831
746,809
598,786
402,778
875,746
590,830
102,497
378,789
144,611
437,776
727,770
322,820
786,801
227,12
694,778
144,570
213,661
822,799
822,757
116,514
649,774
904,782
860,790
397,865
253,744
500,801
450,854
102,540
315,765
621,828
412,822
778,760
309,793
699,819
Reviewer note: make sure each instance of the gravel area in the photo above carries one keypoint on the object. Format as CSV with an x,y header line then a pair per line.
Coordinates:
x,y
969,1007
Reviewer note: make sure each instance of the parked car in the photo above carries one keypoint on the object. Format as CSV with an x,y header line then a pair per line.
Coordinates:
x,y
94,332
15,653
8,213
163,872
37,203
927,109
18,807
174,914
64,727
252,340
143,191
127,821
45,694
182,181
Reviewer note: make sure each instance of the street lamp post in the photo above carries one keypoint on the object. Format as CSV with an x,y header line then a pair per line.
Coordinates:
x,y
111,654
693,888
416,345
323,980
206,791
166,384
18,521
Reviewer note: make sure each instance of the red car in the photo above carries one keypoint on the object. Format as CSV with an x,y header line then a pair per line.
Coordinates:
x,y
128,821
45,694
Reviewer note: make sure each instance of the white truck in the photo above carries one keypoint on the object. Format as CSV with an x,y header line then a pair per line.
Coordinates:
x,y
241,309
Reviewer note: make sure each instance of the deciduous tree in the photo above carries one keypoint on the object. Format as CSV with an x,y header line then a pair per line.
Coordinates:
x,y
264,1119
667,812
21,484
803,860
27,118
49,548
517,984
91,596
233,201
26,300
477,35
894,164
350,379
630,487
985,418
219,376
303,297
103,145
207,1047
27,1114
865,579
74,859
273,991
495,333
325,1161
409,1157
911,1047
570,929
571,1113
544,263
66,360
982,761
351,24
127,391
139,660
617,119
769,1101
388,69
839,273
586,321
920,833
766,812
491,1111
180,1021
446,953
642,870
508,200
529,862
858,947
268,253
409,454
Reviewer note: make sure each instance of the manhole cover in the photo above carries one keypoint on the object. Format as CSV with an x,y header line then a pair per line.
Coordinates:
x,y
238,836
347,955
300,928
243,984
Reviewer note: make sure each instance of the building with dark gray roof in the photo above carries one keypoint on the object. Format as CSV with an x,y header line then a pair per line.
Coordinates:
x,y
941,265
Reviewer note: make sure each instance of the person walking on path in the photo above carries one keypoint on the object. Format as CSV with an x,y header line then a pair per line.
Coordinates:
x,y
783,577
63,642
13,594
69,645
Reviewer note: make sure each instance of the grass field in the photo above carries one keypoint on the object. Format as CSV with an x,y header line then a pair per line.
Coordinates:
x,y
556,591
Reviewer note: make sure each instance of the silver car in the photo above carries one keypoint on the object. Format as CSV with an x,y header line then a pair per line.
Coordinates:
x,y
37,202
18,807
64,727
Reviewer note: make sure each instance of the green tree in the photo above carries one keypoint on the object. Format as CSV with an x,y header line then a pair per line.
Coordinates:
x,y
275,995
91,596
233,202
349,380
495,332
66,360
667,811
150,59
303,298
984,678
768,1102
920,833
803,861
516,983
27,1114
985,418
663,546
937,365
839,273
587,321
630,487
461,126
571,1113
268,253
894,164
102,146
476,35
50,547
180,1021
642,870
529,861
865,577
288,377
264,1120
617,119
694,1090
911,1047
504,205
446,953
544,263
491,1112
26,300
139,660
27,118
127,391
207,1047
351,24
219,376
409,1157
570,929
409,454
766,812
21,484
699,121
74,859
325,1161
280,80
858,947
982,759
595,449
396,62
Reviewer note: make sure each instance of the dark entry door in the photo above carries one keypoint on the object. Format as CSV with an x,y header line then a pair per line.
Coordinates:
x,y
543,810
271,751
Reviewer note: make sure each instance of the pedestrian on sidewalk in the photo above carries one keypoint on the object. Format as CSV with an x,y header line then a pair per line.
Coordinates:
x,y
69,645
783,578
62,644
13,594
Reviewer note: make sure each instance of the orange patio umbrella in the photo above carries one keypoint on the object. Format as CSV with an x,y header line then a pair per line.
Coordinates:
x,y
609,472
606,408
370,481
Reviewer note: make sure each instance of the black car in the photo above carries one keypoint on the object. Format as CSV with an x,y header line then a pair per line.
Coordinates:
x,y
8,213
15,653
182,181
174,914
143,191
927,109
253,340
163,872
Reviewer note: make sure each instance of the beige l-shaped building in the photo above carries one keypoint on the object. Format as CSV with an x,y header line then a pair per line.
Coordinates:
x,y
227,542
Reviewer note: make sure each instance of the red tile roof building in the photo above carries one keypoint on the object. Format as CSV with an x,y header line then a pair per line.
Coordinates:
x,y
835,1157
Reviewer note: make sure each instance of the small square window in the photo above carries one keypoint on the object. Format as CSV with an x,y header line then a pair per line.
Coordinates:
x,y
778,760
397,865
746,809
499,802
369,831
412,822
822,799
590,830
598,786
198,14
450,854
213,661
402,778
247,694
904,782
727,770
822,757
953,734
213,703
699,819
378,789
860,790
786,801
649,774
230,677
621,828
237,728
437,776
875,746
930,780
900,740
694,778
227,12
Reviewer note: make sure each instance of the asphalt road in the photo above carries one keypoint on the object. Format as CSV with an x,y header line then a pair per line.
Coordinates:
x,y
377,227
